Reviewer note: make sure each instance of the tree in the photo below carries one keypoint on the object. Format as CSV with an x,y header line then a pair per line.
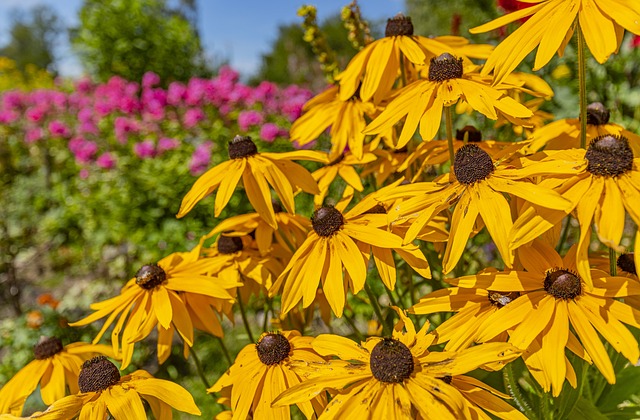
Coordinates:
x,y
291,59
430,18
33,36
130,37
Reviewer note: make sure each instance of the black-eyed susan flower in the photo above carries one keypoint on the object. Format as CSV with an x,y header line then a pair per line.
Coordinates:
x,y
233,260
565,133
342,166
423,101
375,69
261,372
104,392
552,298
258,171
155,297
552,24
476,185
602,183
55,368
398,378
291,232
347,118
436,152
329,252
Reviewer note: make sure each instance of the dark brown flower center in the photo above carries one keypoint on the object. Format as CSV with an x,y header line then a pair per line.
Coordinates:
x,y
229,244
445,67
627,263
273,348
391,361
597,114
562,283
97,374
469,131
241,147
609,156
501,299
47,347
277,207
150,276
399,25
327,220
472,164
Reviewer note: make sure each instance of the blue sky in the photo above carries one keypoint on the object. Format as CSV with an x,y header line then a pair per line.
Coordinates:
x,y
238,30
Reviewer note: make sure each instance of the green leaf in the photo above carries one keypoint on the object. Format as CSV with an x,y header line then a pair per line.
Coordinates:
x,y
626,386
586,410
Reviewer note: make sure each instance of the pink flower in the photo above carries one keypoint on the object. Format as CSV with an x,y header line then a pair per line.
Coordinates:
x,y
33,134
150,79
123,126
166,143
35,114
247,119
635,42
82,149
84,173
176,93
145,149
58,129
8,116
269,132
200,158
192,117
106,161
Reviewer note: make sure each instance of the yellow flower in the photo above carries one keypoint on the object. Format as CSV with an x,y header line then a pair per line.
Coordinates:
x,y
478,185
602,183
422,101
234,261
261,372
329,250
551,26
55,367
565,133
258,171
156,297
343,165
291,232
553,297
346,117
436,152
375,69
398,378
103,392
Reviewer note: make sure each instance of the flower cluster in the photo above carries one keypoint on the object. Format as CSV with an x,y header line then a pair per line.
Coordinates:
x,y
387,224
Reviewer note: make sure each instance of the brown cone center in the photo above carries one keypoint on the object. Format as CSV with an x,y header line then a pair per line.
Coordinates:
x,y
241,147
97,374
597,114
472,164
562,283
445,67
327,220
229,244
391,361
399,25
150,276
473,134
47,347
609,156
273,348
627,263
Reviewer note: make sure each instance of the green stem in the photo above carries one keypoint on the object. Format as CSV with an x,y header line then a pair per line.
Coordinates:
x,y
352,324
582,81
565,233
448,117
268,308
613,262
225,351
245,321
376,308
196,360
511,385
392,299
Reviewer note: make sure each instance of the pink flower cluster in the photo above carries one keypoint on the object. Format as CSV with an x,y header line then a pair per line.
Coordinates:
x,y
100,122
